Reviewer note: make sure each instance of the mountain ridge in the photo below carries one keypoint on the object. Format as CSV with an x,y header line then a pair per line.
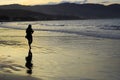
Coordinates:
x,y
67,11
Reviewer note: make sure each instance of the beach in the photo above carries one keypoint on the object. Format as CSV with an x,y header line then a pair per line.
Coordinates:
x,y
58,55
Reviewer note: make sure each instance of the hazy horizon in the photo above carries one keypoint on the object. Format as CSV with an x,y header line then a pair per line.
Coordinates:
x,y
52,4
40,2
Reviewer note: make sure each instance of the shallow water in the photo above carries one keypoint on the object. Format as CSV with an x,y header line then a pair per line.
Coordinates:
x,y
60,55
76,58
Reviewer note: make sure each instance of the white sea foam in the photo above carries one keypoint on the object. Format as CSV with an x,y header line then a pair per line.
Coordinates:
x,y
94,28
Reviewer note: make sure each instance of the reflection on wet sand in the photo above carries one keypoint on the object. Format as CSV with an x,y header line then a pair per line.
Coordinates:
x,y
29,64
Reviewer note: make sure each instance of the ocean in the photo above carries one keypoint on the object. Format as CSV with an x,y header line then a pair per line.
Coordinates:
x,y
64,50
108,28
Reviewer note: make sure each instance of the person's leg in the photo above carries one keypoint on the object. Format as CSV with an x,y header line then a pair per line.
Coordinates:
x,y
29,43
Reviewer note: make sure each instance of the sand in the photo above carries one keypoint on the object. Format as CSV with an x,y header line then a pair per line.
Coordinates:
x,y
12,62
58,56
16,77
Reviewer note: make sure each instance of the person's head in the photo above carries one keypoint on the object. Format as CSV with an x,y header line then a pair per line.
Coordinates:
x,y
29,26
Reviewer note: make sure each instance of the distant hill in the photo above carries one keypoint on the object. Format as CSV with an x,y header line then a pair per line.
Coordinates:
x,y
27,15
20,15
62,11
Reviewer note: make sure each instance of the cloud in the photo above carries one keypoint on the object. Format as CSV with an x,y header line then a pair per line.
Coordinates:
x,y
51,3
75,1
105,2
84,1
81,2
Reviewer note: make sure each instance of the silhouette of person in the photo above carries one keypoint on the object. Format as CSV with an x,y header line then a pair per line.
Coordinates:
x,y
29,64
29,32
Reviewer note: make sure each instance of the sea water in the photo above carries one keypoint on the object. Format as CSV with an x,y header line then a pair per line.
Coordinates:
x,y
73,49
108,28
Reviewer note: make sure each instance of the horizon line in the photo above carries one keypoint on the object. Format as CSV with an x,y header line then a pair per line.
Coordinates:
x,y
56,4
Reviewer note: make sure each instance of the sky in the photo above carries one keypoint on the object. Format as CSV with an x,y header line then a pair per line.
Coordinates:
x,y
37,2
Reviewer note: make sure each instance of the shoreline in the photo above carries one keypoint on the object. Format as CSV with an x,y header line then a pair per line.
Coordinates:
x,y
57,56
61,20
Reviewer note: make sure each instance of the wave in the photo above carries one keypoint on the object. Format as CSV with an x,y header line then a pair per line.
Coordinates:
x,y
110,27
86,33
53,25
12,27
99,34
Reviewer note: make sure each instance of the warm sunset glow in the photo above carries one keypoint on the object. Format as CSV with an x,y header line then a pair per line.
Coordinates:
x,y
33,2
37,2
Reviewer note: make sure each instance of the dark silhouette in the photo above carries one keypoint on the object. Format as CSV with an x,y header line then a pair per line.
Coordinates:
x,y
29,64
61,11
29,32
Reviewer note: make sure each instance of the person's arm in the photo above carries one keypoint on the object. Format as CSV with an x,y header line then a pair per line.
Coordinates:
x,y
32,31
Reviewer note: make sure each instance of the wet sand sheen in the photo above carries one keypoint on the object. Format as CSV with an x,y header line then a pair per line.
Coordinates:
x,y
59,57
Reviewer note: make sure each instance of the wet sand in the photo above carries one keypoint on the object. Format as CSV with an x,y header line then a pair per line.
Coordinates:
x,y
16,77
58,56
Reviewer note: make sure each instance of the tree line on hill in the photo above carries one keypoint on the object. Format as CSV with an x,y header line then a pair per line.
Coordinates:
x,y
63,11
